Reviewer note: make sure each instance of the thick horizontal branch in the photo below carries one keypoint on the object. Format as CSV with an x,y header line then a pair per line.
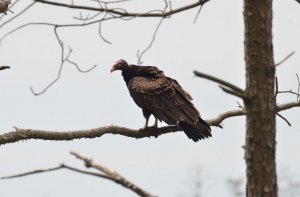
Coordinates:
x,y
225,85
125,13
26,134
286,106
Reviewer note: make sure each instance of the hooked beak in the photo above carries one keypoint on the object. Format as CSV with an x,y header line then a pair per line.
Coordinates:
x,y
112,70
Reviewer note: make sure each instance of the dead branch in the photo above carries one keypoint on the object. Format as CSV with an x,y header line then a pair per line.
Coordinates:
x,y
64,58
140,55
286,58
108,174
32,172
61,166
286,106
230,88
26,134
89,163
284,118
298,97
124,13
4,67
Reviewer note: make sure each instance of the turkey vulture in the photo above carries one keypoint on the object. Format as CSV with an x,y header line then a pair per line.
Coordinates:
x,y
164,98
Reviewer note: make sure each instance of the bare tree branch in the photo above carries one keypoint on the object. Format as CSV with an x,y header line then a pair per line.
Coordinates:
x,y
286,58
198,13
108,174
125,13
62,166
32,172
286,106
232,89
4,67
26,134
113,174
140,55
298,97
283,118
289,91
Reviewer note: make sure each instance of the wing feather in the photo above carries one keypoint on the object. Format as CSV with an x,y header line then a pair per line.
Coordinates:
x,y
164,97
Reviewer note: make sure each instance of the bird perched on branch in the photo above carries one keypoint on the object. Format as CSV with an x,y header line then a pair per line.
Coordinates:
x,y
164,98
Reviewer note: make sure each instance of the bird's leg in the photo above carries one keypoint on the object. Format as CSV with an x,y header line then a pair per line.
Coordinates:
x,y
147,115
155,123
146,123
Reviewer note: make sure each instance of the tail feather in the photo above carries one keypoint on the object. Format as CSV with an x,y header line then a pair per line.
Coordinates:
x,y
196,132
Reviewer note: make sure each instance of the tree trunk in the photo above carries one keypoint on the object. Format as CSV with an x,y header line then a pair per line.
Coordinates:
x,y
260,101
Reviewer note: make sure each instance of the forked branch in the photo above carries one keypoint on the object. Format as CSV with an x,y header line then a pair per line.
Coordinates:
x,y
124,13
118,178
106,173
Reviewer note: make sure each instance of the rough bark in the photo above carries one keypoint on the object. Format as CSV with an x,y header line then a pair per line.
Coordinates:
x,y
260,101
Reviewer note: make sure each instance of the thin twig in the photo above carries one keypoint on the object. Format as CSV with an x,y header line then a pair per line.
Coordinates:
x,y
100,24
125,13
140,55
276,88
298,97
289,91
63,60
32,172
62,166
283,118
196,17
61,44
239,105
286,58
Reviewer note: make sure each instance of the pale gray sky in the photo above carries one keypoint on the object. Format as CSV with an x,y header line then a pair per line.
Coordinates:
x,y
162,166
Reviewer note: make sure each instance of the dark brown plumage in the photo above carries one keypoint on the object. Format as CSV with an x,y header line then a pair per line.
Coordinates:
x,y
164,98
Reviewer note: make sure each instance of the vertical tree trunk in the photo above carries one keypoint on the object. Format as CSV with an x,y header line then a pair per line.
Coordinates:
x,y
260,101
